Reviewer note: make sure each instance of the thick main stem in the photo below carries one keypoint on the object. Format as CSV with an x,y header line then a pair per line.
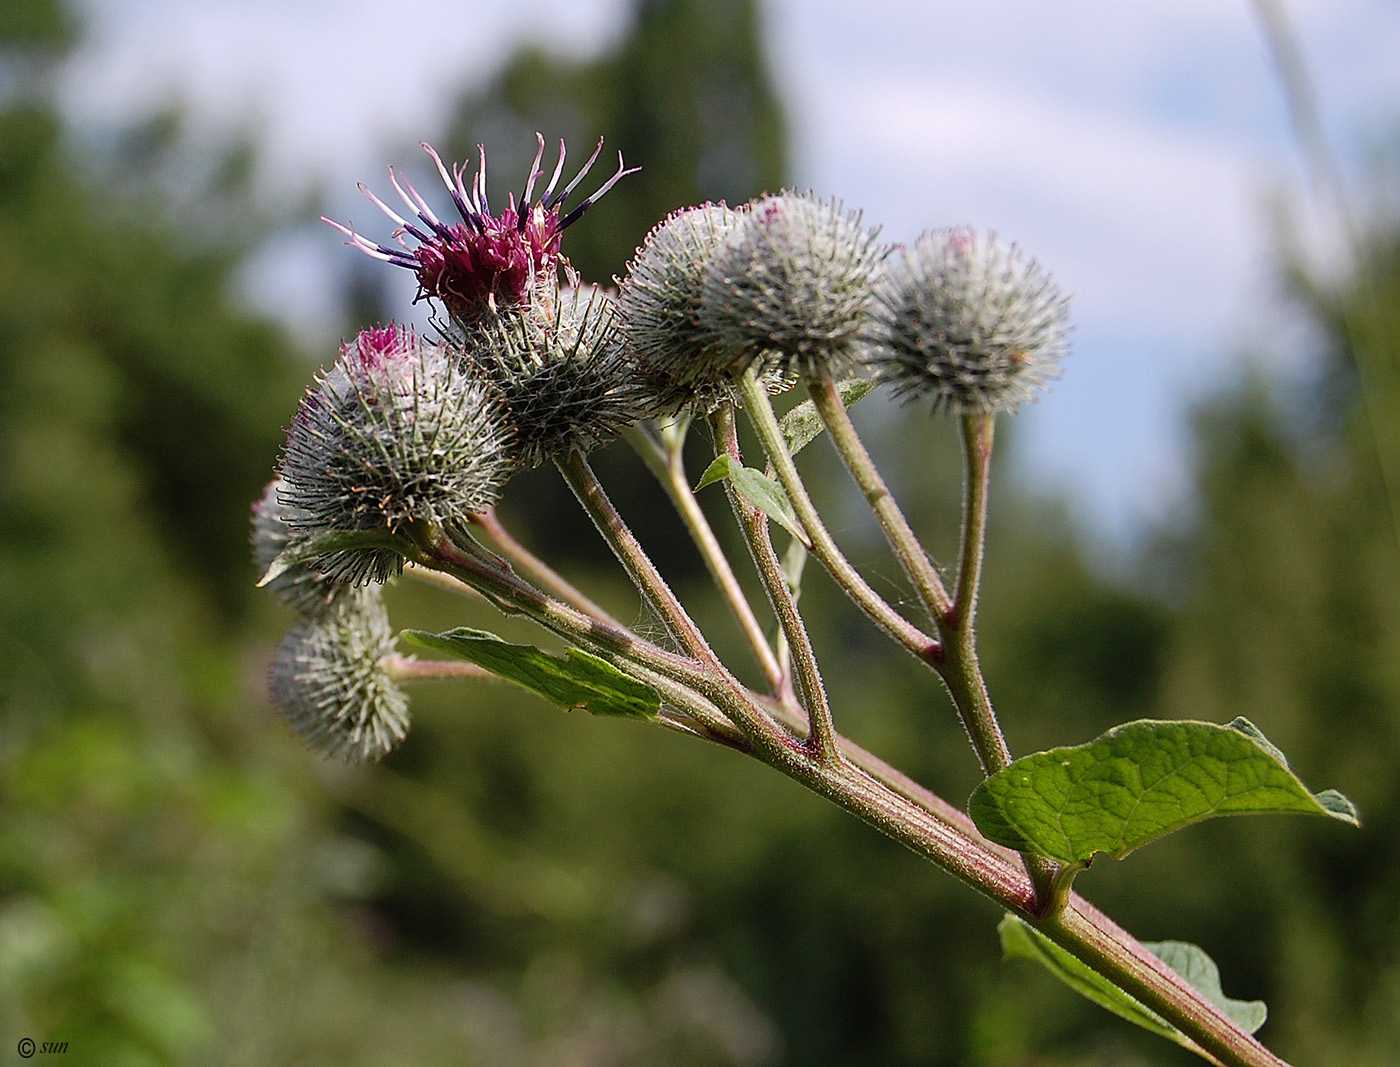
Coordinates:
x,y
897,807
667,465
821,729
770,434
902,541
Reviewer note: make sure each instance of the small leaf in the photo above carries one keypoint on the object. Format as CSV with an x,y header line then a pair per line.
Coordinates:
x,y
802,425
1192,963
578,679
1021,940
1136,783
306,549
762,492
716,471
757,490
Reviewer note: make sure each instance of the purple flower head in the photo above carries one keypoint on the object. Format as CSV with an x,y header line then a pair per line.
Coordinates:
x,y
488,260
375,346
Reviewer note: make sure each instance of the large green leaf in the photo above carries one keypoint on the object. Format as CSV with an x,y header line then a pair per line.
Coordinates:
x,y
1138,782
802,425
577,679
1021,940
757,490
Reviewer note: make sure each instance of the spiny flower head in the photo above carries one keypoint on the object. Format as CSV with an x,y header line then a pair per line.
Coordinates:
x,y
302,588
659,301
328,680
791,285
399,431
565,375
969,323
489,260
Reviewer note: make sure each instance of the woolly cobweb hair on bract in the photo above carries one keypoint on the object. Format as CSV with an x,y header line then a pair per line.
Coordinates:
x,y
791,285
968,323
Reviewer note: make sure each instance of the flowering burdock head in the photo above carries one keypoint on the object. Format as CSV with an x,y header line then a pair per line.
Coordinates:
x,y
791,286
969,323
302,588
567,379
490,260
398,432
328,680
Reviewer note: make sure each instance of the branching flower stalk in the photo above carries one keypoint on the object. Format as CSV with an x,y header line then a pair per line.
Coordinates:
x,y
403,447
765,423
905,812
531,564
666,462
821,729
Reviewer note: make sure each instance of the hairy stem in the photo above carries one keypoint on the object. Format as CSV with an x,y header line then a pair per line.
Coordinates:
x,y
961,670
821,730
667,464
902,540
1096,940
905,633
892,804
721,684
536,568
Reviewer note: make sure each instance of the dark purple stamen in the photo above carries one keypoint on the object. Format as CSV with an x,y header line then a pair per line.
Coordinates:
x,y
485,261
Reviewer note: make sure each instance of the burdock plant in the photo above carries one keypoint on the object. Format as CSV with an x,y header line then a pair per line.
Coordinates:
x,y
400,450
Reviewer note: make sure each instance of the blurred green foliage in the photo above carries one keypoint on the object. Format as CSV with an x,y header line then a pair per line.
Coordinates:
x,y
181,883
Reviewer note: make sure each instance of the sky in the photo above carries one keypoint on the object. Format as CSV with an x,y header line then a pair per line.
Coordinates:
x,y
1133,149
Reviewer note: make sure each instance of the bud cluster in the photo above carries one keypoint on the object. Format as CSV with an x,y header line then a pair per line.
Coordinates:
x,y
403,434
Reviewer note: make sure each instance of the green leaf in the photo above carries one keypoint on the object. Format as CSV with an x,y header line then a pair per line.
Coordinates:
x,y
802,425
794,562
1192,963
757,490
324,544
1138,782
716,471
1021,940
578,679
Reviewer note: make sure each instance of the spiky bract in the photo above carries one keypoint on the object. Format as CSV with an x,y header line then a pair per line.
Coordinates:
x,y
398,432
302,588
791,286
327,680
968,323
566,377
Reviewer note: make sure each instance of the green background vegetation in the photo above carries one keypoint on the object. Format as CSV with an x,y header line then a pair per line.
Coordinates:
x,y
181,883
